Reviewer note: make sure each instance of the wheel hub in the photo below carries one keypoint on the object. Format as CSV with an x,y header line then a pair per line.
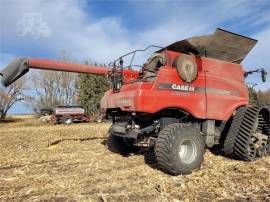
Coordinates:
x,y
188,151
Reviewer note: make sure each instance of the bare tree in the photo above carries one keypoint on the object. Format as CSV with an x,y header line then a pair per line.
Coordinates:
x,y
52,88
16,92
264,97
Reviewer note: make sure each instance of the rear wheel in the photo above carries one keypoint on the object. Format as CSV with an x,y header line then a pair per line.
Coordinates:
x,y
179,149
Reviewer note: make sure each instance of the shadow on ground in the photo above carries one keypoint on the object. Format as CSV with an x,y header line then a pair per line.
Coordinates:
x,y
9,120
148,153
55,142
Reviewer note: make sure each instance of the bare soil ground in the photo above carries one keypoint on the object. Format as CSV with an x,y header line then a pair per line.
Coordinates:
x,y
43,162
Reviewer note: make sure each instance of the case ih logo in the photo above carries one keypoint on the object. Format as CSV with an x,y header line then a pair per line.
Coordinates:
x,y
177,87
183,87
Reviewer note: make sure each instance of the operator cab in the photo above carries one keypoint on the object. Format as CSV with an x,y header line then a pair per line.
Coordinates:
x,y
150,70
147,72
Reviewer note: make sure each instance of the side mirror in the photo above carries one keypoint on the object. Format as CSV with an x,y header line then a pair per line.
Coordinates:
x,y
263,75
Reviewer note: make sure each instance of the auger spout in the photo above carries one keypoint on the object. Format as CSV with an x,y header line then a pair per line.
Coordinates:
x,y
20,66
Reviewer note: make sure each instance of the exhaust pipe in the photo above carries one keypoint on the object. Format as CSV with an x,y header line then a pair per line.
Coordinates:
x,y
15,70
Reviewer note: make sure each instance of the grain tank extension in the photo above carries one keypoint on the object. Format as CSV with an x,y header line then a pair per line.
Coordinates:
x,y
187,96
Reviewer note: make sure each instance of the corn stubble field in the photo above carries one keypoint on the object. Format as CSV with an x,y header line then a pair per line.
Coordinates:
x,y
44,162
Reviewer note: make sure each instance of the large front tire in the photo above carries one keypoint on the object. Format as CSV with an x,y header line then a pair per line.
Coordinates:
x,y
179,149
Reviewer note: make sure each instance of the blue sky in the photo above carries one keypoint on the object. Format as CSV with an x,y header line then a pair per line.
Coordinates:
x,y
103,30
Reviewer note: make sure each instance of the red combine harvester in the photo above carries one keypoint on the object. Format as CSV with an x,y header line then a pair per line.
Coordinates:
x,y
69,115
187,96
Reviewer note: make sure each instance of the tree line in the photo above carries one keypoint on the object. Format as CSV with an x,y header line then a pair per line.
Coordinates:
x,y
47,89
263,97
